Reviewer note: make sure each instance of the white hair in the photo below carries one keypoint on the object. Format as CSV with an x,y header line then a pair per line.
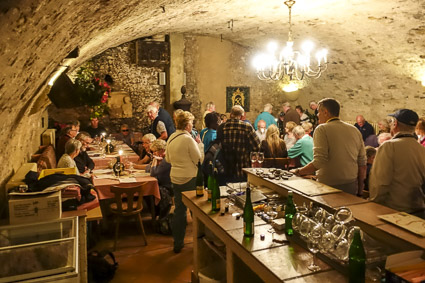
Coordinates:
x,y
268,107
152,109
298,131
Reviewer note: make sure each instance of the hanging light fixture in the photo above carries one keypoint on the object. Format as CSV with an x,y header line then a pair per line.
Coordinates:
x,y
293,64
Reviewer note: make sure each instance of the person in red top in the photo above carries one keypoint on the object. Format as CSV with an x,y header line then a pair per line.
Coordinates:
x,y
420,130
68,133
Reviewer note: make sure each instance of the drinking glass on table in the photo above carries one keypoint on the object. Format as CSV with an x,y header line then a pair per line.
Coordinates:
x,y
130,167
313,240
254,157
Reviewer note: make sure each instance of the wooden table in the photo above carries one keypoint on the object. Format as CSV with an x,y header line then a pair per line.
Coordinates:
x,y
247,259
99,161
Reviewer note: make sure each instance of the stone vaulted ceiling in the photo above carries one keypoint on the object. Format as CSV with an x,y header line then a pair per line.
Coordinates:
x,y
367,39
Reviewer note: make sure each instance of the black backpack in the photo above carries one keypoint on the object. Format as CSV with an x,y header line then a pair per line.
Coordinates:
x,y
101,266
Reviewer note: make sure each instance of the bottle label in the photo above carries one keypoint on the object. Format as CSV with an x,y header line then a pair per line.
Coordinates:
x,y
209,194
217,204
248,228
200,190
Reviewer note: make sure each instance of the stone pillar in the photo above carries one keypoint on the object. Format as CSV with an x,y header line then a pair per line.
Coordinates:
x,y
175,76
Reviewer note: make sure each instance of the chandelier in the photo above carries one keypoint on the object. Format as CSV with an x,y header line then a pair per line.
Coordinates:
x,y
291,63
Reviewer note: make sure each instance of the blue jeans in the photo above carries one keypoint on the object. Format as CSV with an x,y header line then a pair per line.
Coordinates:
x,y
179,219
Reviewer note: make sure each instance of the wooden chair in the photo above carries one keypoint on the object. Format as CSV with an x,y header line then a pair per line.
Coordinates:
x,y
125,205
282,163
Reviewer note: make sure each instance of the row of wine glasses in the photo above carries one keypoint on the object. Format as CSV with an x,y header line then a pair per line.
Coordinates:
x,y
325,232
256,157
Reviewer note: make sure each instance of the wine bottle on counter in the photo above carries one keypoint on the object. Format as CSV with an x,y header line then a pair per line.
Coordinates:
x,y
199,182
289,214
209,180
215,192
356,259
248,215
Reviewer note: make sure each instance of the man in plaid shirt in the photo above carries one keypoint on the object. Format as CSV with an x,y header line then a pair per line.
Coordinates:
x,y
238,140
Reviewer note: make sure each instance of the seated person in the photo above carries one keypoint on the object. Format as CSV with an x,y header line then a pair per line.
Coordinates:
x,y
72,149
289,137
370,155
308,128
83,161
95,130
67,133
303,148
126,135
209,134
383,137
273,146
160,169
146,155
223,118
384,126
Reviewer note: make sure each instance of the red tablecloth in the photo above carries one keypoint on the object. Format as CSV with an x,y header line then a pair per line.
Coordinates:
x,y
151,189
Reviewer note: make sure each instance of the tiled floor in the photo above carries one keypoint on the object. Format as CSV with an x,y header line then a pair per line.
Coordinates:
x,y
155,262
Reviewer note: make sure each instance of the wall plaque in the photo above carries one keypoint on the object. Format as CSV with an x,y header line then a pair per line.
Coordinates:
x,y
237,95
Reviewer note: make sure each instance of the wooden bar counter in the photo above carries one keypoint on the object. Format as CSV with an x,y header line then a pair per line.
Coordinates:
x,y
219,240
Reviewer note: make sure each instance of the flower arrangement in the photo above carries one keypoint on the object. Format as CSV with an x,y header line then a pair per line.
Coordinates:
x,y
92,91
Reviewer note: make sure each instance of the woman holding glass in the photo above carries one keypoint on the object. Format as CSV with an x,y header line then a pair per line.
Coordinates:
x,y
183,154
273,146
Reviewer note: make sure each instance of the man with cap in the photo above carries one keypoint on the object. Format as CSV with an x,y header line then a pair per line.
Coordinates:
x,y
398,172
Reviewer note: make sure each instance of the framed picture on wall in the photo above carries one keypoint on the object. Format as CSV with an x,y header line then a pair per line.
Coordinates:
x,y
237,95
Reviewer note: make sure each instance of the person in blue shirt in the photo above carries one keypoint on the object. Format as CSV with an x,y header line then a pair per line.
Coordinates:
x,y
303,147
266,116
209,134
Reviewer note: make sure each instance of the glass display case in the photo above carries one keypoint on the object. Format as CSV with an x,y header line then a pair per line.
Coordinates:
x,y
41,251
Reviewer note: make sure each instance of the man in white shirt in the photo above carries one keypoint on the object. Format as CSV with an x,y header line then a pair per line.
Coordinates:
x,y
398,171
339,153
261,130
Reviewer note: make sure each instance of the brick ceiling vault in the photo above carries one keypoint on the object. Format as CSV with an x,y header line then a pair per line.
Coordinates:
x,y
369,36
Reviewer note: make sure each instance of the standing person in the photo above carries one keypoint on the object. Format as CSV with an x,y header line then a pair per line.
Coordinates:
x,y
289,137
239,139
303,117
339,156
95,129
158,128
290,114
266,116
273,146
209,108
165,117
209,134
303,148
398,171
364,127
261,130
420,131
313,117
183,155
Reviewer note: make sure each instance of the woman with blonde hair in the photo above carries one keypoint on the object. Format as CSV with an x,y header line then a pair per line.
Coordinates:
x,y
289,138
273,146
183,154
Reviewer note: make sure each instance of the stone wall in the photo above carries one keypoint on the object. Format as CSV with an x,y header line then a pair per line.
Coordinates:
x,y
141,83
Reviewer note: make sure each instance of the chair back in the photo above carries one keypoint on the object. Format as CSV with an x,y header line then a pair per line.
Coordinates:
x,y
129,206
282,163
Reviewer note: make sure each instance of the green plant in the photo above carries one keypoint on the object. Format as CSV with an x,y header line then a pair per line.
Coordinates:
x,y
92,91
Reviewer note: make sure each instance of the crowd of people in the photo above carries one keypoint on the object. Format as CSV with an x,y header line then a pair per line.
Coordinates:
x,y
390,163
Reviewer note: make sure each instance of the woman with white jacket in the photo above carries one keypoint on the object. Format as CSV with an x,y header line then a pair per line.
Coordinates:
x,y
183,154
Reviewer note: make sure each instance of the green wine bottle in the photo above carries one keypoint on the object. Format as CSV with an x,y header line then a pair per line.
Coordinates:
x,y
356,259
215,192
289,214
248,215
210,180
199,182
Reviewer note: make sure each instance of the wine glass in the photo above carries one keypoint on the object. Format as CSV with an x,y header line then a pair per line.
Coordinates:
x,y
313,240
130,167
341,249
305,226
260,158
254,158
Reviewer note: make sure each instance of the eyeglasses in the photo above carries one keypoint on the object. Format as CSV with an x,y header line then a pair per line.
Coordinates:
x,y
125,130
